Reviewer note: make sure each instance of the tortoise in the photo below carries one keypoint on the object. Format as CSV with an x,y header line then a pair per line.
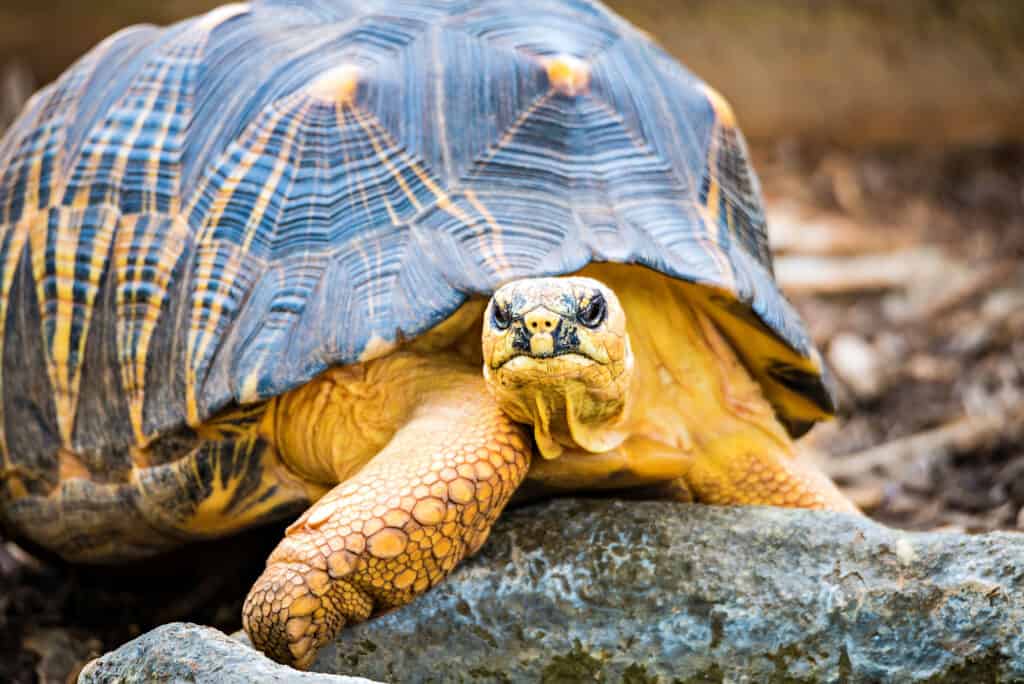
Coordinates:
x,y
252,265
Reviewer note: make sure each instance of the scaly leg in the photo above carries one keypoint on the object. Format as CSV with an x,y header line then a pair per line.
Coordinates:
x,y
743,469
393,530
751,466
741,453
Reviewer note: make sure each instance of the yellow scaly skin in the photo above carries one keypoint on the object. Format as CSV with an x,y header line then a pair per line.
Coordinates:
x,y
428,452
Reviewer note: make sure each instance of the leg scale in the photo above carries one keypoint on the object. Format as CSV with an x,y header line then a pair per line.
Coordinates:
x,y
392,531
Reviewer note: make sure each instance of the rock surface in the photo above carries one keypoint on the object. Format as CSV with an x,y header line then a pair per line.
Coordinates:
x,y
181,652
660,592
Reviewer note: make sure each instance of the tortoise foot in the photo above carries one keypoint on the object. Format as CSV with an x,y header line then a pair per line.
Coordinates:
x,y
394,530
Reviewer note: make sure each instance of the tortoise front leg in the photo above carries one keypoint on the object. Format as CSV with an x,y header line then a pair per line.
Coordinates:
x,y
749,470
392,531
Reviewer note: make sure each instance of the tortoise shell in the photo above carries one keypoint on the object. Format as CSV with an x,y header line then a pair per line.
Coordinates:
x,y
212,213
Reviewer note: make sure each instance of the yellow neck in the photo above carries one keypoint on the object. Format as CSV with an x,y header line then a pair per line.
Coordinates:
x,y
690,391
566,407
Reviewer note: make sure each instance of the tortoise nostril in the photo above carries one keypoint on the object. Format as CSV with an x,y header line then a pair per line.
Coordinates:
x,y
541,320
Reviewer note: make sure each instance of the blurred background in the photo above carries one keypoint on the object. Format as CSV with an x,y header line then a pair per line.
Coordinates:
x,y
889,137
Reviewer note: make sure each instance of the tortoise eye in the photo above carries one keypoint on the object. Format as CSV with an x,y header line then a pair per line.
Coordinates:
x,y
594,313
500,316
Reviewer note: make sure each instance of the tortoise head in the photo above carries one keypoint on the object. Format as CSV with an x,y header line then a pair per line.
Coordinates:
x,y
557,356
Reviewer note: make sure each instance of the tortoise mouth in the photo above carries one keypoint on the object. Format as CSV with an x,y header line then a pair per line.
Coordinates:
x,y
521,358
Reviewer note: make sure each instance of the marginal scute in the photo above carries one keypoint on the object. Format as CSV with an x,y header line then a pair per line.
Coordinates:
x,y
69,249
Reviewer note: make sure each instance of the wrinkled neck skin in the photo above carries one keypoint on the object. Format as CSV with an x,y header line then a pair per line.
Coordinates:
x,y
680,384
571,402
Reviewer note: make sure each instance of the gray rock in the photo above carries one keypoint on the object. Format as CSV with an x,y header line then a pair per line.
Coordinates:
x,y
181,652
660,592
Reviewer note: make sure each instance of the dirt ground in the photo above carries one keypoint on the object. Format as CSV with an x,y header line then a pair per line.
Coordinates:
x,y
908,266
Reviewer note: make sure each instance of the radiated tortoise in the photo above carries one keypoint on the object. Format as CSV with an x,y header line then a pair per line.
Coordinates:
x,y
252,265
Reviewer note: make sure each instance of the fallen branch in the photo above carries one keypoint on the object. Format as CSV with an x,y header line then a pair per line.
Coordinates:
x,y
982,281
866,273
962,435
794,230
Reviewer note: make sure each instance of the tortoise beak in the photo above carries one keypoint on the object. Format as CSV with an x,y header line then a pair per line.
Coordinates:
x,y
542,333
